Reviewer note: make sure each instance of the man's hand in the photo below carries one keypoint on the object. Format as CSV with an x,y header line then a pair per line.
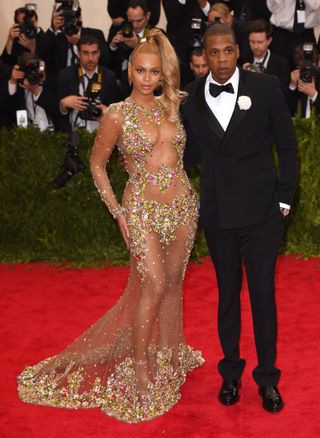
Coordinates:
x,y
27,43
73,102
294,77
14,32
117,21
57,21
131,42
16,75
116,40
308,88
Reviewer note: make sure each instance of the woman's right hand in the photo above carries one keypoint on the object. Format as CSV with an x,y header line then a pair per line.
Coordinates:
x,y
122,223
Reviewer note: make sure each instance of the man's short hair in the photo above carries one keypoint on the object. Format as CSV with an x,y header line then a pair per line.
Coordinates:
x,y
197,51
218,29
28,58
134,4
24,10
88,39
260,26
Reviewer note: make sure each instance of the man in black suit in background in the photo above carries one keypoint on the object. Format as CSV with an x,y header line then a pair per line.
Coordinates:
x,y
230,116
260,38
77,81
182,28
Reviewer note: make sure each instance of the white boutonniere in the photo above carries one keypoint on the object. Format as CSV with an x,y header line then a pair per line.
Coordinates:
x,y
244,102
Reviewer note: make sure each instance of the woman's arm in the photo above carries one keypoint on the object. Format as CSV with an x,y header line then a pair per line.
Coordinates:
x,y
104,143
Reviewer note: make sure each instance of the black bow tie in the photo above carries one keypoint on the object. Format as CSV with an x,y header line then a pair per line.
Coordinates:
x,y
215,89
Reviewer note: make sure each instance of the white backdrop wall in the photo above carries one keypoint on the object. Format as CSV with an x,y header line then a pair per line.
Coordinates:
x,y
94,14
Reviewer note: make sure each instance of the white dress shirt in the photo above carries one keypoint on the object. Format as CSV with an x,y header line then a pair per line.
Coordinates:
x,y
283,12
223,105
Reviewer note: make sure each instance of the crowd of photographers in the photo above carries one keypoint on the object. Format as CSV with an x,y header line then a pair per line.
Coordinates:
x,y
61,79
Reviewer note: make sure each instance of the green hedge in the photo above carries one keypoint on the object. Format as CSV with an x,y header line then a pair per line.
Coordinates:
x,y
71,224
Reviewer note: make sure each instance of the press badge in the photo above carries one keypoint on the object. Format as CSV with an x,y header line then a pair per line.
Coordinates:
x,y
301,16
22,118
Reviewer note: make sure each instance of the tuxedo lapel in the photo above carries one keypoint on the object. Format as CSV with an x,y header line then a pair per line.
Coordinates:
x,y
206,112
244,89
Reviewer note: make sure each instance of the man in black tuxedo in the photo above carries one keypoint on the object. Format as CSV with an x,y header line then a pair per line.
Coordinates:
x,y
77,81
230,116
260,38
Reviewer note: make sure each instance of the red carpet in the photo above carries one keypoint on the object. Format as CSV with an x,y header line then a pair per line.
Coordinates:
x,y
44,308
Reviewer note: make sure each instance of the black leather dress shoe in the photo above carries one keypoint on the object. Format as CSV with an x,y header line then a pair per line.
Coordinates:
x,y
229,392
271,398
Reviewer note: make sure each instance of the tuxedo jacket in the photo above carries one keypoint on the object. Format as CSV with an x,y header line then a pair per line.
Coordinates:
x,y
239,184
68,84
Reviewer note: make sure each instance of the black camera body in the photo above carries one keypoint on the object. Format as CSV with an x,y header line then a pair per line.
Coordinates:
x,y
68,9
92,112
126,29
33,71
198,28
308,69
27,27
72,162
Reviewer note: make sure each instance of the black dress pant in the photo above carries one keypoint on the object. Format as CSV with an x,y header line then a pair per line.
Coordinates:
x,y
257,246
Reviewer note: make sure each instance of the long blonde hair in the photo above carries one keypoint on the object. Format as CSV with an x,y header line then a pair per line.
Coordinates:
x,y
157,42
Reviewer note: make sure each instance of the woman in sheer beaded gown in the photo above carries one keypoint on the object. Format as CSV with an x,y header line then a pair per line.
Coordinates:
x,y
133,360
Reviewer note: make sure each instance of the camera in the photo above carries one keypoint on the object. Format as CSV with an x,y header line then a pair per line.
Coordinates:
x,y
256,68
69,10
198,27
72,163
126,29
308,69
33,69
197,32
92,112
27,27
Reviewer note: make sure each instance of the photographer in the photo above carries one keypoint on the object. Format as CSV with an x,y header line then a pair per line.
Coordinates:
x,y
65,32
304,86
186,23
24,36
261,58
27,91
117,11
126,39
84,89
221,13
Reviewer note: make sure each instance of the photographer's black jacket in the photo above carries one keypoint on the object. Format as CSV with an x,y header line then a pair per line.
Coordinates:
x,y
18,49
68,84
117,8
179,18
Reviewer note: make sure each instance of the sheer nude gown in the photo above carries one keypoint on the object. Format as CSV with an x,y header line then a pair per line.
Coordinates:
x,y
133,360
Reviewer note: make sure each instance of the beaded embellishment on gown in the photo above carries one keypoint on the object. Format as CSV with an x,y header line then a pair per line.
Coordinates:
x,y
133,360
